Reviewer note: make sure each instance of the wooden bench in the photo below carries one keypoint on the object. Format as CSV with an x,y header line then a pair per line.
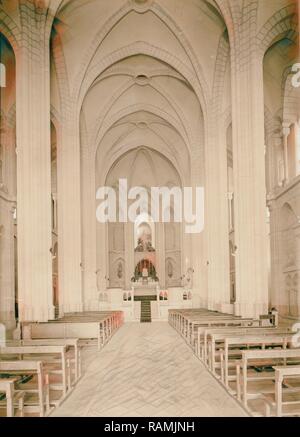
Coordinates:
x,y
73,352
205,320
33,395
10,398
86,327
282,377
220,326
216,321
264,381
55,364
214,340
175,315
67,330
178,317
233,349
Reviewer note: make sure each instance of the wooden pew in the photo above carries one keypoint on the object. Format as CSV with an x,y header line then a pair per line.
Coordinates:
x,y
178,317
34,394
214,340
73,351
193,325
67,330
54,359
282,376
220,326
233,345
175,315
205,332
203,320
86,326
265,380
10,398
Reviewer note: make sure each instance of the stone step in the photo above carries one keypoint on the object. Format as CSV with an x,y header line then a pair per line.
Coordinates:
x,y
146,310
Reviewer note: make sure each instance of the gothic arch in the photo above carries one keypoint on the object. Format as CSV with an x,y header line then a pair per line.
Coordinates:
x,y
281,24
138,48
169,22
10,30
132,110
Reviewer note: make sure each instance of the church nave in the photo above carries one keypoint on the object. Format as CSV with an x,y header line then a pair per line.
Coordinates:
x,y
146,370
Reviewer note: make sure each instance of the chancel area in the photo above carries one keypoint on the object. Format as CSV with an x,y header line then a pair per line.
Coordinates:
x,y
149,208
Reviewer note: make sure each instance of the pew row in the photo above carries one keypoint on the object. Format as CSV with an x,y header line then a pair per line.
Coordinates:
x,y
215,340
55,363
72,352
283,376
87,327
28,387
256,379
220,341
234,346
9,398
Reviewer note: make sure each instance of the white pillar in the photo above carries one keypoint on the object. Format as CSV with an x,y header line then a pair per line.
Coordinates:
x,y
89,232
216,216
249,182
160,253
286,131
129,253
69,217
34,172
197,241
7,264
276,268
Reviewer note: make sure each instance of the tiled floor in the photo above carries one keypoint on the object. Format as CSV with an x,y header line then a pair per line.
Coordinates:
x,y
147,370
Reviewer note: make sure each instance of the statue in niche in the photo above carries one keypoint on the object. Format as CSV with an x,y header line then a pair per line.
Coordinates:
x,y
189,278
170,269
149,247
140,246
120,270
144,246
144,239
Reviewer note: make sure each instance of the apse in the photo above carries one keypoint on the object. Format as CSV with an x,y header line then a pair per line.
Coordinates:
x,y
132,244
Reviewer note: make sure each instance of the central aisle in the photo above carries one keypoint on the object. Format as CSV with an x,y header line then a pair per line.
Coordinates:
x,y
146,370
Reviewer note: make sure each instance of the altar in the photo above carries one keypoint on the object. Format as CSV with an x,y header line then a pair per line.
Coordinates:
x,y
149,289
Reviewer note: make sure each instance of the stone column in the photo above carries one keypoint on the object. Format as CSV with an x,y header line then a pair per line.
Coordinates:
x,y
69,215
276,267
249,174
89,232
160,253
129,253
286,131
216,216
7,263
34,167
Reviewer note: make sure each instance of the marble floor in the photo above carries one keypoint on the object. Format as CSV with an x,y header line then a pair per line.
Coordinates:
x,y
146,370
